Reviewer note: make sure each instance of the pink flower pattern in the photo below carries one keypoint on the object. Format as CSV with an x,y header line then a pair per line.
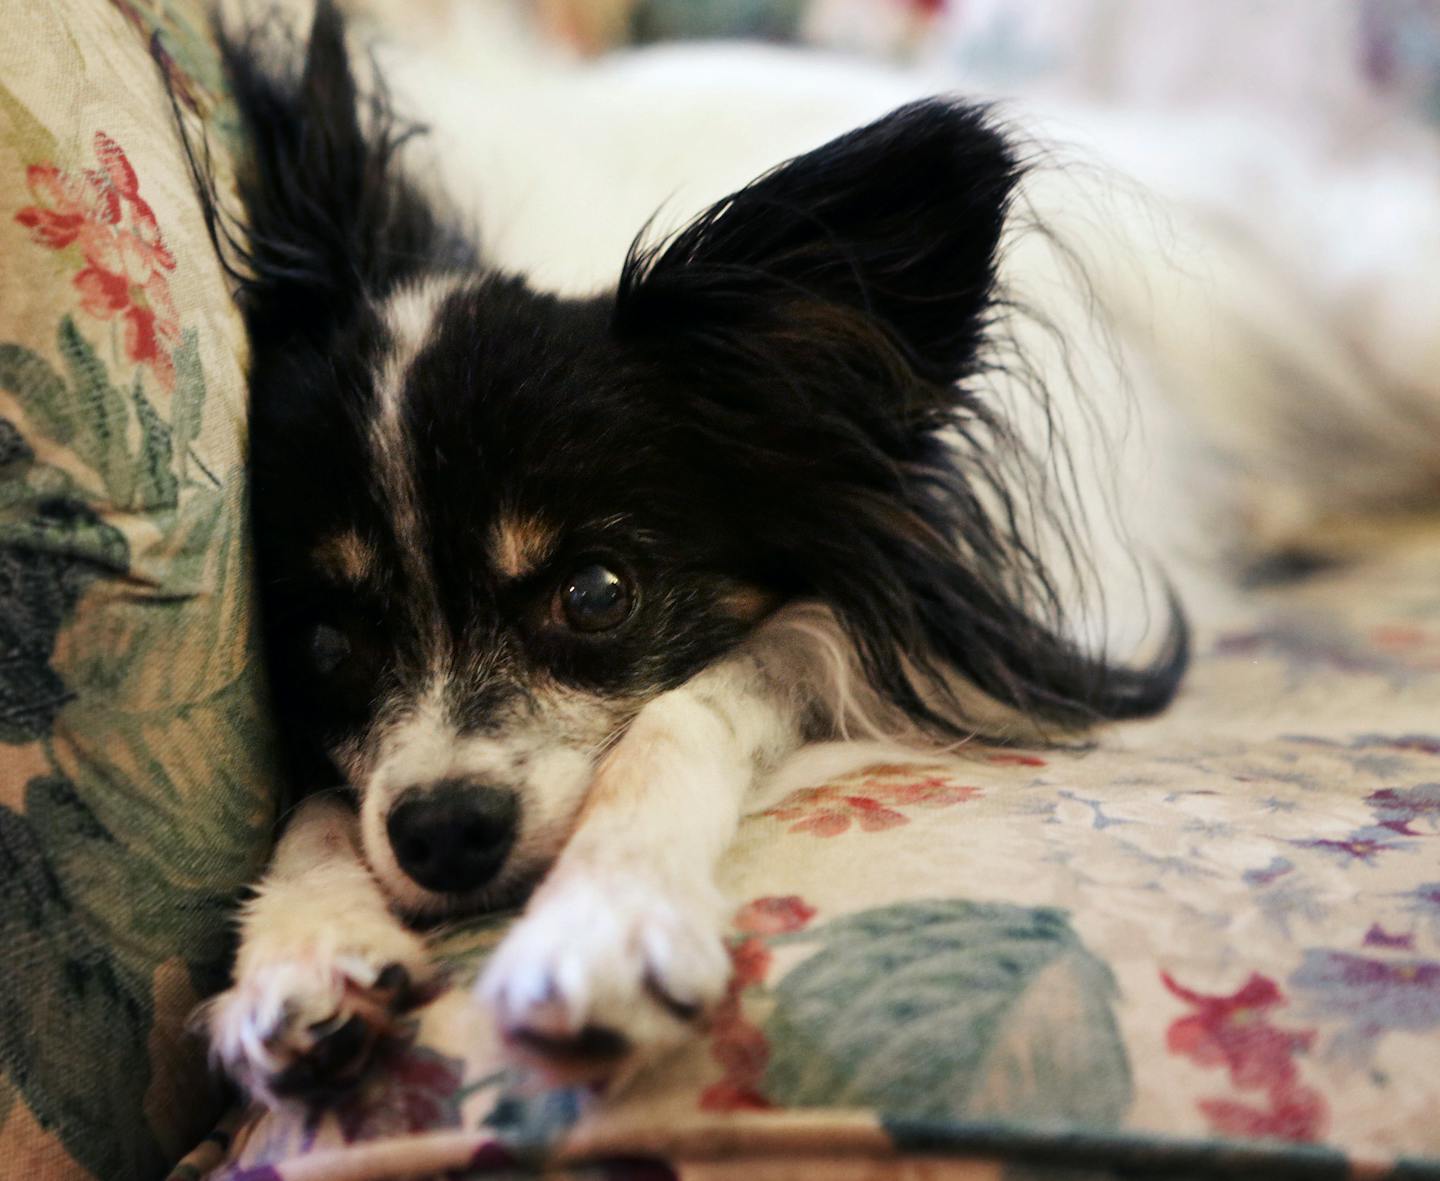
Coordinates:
x,y
98,216
736,1043
870,799
1236,1032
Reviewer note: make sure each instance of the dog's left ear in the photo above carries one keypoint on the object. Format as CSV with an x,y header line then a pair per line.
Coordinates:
x,y
889,232
823,322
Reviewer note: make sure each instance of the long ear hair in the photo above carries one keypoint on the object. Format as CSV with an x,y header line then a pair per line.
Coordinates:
x,y
827,319
327,228
328,220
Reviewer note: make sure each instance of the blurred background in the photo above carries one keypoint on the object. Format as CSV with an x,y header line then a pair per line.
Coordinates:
x,y
1310,128
1354,66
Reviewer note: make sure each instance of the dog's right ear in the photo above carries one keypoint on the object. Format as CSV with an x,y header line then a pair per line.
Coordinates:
x,y
328,220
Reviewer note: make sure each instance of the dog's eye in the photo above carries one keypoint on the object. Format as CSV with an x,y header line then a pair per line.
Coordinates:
x,y
329,649
594,599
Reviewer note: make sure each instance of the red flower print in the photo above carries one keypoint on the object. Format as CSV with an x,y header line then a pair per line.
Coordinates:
x,y
1297,1114
1015,760
774,916
727,1096
1398,636
1235,1032
65,206
742,1052
737,1044
869,798
98,214
749,962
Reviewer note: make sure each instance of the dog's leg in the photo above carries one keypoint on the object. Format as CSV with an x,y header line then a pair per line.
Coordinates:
x,y
620,954
323,966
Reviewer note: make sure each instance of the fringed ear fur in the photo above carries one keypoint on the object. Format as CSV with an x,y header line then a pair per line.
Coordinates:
x,y
825,319
328,219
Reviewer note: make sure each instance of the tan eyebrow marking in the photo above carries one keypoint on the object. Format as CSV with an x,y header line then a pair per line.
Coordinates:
x,y
518,545
345,556
748,603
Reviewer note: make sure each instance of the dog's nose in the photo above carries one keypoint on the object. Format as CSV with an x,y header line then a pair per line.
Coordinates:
x,y
452,837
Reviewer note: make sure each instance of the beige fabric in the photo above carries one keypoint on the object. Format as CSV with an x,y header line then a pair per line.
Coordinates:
x,y
135,779
1211,942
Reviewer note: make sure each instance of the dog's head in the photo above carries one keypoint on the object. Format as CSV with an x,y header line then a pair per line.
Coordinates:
x,y
492,523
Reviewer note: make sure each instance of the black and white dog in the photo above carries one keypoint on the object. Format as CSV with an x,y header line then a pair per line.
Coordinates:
x,y
552,580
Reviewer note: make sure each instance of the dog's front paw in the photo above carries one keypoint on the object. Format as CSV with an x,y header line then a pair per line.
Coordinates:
x,y
603,974
303,1017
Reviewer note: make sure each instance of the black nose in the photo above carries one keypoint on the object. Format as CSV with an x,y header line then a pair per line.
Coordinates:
x,y
454,836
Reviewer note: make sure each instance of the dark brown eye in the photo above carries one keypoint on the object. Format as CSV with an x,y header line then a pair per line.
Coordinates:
x,y
594,599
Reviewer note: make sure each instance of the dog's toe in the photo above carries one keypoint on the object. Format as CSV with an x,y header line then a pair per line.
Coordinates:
x,y
591,1054
336,1056
593,983
308,1026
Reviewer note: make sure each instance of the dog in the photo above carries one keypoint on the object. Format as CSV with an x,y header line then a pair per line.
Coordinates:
x,y
921,434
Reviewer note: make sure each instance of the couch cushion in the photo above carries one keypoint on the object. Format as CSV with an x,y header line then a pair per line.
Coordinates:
x,y
135,765
1210,945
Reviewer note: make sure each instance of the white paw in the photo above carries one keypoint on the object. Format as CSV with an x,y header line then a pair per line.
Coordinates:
x,y
304,1015
604,973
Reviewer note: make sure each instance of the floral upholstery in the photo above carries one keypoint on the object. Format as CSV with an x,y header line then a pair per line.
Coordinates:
x,y
135,781
1211,945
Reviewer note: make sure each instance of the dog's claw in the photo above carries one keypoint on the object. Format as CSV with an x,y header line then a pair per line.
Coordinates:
x,y
593,1048
594,981
394,981
686,1011
309,1026
338,1055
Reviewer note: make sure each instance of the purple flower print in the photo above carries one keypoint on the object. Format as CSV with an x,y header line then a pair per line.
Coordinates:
x,y
1424,902
1372,997
412,1089
1278,868
1398,808
1378,936
1363,845
1425,744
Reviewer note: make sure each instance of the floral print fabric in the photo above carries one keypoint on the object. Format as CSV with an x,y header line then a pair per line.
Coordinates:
x,y
1212,943
136,785
125,262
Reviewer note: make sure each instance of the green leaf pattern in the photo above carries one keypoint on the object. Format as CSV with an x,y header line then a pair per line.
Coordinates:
x,y
137,768
949,1008
144,699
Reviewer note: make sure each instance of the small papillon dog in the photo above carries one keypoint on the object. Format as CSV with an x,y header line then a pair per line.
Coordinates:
x,y
568,539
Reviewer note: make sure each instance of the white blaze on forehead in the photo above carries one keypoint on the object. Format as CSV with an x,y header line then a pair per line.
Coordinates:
x,y
409,317
519,544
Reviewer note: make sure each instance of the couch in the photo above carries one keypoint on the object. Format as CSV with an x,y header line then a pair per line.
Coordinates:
x,y
1206,945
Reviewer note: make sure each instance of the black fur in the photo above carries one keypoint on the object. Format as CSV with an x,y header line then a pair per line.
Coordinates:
x,y
759,403
827,317
330,221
